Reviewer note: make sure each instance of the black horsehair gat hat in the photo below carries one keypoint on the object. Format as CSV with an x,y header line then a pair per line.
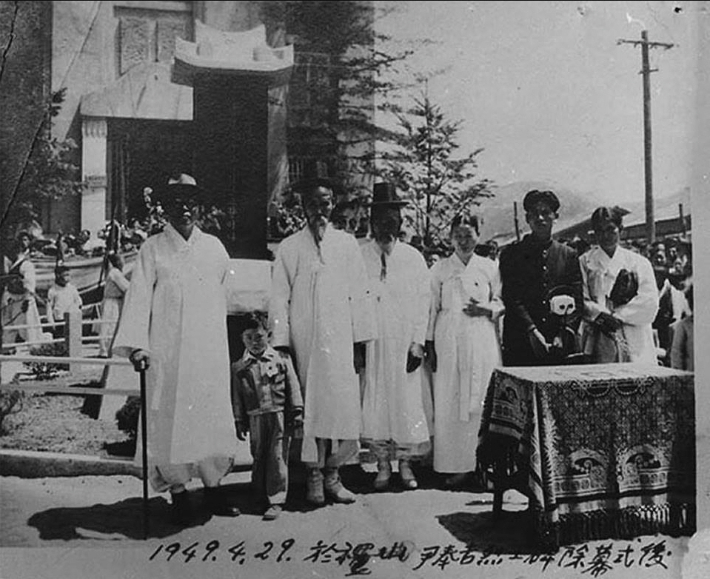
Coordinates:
x,y
384,195
315,175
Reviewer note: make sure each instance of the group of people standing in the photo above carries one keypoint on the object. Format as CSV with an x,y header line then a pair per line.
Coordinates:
x,y
21,318
19,295
355,336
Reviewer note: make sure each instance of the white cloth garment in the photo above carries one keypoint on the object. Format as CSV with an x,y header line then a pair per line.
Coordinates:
x,y
599,272
319,307
468,350
62,299
392,406
11,304
175,308
111,306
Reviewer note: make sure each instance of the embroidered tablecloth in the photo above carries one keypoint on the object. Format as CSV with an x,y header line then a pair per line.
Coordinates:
x,y
607,450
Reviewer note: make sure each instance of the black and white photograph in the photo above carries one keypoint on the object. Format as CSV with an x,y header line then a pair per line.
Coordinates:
x,y
296,289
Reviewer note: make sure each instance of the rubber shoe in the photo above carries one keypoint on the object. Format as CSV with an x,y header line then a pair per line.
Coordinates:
x,y
458,480
335,489
272,513
407,476
218,505
384,472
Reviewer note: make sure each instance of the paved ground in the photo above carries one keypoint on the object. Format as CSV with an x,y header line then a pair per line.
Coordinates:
x,y
91,526
71,525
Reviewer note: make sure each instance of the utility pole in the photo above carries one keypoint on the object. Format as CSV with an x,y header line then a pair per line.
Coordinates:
x,y
646,71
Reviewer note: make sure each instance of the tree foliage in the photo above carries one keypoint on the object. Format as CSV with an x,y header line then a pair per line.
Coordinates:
x,y
358,78
49,173
351,68
422,163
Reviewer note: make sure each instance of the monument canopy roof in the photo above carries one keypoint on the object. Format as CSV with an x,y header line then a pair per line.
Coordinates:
x,y
234,53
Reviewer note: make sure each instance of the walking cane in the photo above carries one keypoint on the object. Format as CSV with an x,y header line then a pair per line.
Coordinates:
x,y
144,443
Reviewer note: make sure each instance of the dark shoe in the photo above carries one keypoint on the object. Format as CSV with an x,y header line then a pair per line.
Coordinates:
x,y
407,476
458,480
272,513
181,512
218,505
480,483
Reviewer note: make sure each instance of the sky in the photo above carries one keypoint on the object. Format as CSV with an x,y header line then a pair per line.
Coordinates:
x,y
546,90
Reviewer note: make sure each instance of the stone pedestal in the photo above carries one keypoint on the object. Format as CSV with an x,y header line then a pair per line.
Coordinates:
x,y
232,74
231,155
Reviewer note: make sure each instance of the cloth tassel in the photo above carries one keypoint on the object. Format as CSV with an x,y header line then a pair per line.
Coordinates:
x,y
673,520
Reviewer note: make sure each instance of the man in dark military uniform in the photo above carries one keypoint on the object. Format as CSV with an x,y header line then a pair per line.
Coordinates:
x,y
533,270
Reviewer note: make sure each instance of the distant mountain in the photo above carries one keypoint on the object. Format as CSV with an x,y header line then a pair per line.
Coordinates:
x,y
666,207
498,212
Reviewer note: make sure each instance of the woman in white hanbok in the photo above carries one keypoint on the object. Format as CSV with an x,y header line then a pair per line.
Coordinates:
x,y
463,348
19,304
112,303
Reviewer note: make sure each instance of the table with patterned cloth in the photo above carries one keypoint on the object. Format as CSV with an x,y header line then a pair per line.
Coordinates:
x,y
602,451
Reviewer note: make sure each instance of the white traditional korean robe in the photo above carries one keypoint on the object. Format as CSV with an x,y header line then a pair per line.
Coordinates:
x,y
319,307
114,292
599,272
468,350
11,304
392,407
175,308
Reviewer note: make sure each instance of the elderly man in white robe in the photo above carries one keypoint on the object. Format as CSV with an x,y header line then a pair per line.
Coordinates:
x,y
321,313
617,326
393,418
174,322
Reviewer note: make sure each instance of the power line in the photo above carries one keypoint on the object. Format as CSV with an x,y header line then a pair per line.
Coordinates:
x,y
646,71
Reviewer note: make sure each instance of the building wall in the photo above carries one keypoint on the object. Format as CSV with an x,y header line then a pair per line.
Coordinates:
x,y
82,56
96,45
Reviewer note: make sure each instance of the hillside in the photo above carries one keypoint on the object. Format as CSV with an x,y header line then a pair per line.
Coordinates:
x,y
498,212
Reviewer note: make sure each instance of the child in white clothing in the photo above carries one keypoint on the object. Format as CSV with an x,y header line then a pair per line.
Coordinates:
x,y
62,297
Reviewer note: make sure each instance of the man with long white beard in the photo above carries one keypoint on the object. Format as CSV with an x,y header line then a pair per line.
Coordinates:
x,y
394,423
321,313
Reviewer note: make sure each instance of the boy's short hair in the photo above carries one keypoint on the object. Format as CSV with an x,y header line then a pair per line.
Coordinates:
x,y
256,320
60,269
